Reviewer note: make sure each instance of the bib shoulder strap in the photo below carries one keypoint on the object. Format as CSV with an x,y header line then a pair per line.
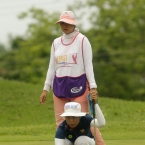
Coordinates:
x,y
83,47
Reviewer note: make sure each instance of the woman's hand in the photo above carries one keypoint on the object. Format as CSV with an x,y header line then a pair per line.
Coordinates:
x,y
93,94
43,97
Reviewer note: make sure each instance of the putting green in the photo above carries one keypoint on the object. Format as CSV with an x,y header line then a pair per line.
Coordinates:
x,y
108,142
28,143
125,142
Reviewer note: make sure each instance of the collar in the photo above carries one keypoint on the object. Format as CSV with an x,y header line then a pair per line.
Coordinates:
x,y
68,36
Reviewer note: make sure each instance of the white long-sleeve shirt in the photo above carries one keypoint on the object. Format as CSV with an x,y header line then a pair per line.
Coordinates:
x,y
71,55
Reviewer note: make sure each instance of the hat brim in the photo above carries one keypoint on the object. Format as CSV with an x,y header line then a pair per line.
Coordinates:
x,y
73,114
68,21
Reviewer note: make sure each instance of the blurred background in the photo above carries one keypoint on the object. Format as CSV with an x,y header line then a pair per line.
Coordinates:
x,y
115,28
9,11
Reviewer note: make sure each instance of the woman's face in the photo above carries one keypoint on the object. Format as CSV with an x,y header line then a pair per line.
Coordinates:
x,y
72,121
66,28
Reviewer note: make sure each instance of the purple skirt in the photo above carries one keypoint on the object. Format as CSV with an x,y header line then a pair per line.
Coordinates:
x,y
69,87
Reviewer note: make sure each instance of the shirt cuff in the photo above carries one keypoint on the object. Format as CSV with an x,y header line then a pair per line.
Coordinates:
x,y
93,85
47,88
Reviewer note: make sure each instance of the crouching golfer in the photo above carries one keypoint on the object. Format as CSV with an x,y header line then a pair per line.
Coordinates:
x,y
75,129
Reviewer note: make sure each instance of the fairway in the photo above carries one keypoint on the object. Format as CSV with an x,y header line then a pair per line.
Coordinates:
x,y
108,142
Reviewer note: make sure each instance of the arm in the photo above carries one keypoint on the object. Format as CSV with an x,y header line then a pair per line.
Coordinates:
x,y
87,54
50,72
60,135
100,120
99,117
59,141
49,77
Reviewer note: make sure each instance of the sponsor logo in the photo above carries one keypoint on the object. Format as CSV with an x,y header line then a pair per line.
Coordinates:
x,y
76,89
70,136
82,131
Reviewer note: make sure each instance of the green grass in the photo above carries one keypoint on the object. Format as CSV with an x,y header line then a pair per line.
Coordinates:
x,y
108,142
24,121
20,104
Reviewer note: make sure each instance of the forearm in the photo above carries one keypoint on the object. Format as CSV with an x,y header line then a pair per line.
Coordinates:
x,y
99,117
49,80
59,141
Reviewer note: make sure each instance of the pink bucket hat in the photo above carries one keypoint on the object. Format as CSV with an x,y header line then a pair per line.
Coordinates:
x,y
67,17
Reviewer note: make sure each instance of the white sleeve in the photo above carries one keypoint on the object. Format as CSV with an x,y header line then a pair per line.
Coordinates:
x,y
100,120
50,72
59,141
87,53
